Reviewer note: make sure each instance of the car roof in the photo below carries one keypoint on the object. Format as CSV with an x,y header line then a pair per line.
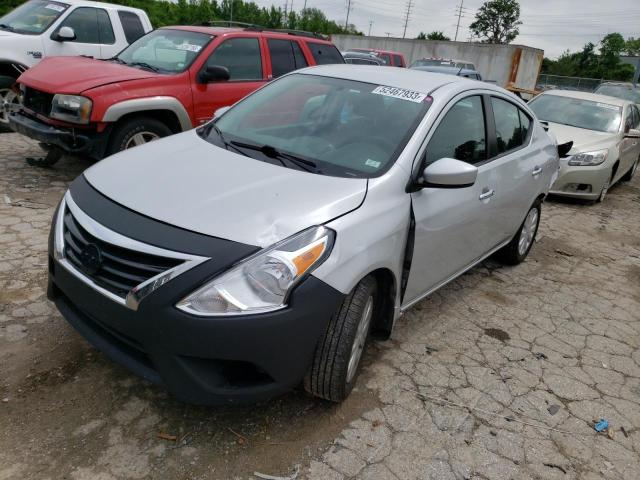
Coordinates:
x,y
444,69
594,97
418,81
218,31
376,50
445,59
107,6
620,84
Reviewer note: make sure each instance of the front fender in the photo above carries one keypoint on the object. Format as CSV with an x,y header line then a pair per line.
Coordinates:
x,y
118,110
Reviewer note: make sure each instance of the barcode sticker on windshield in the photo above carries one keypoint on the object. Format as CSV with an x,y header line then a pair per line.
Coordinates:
x,y
189,48
53,6
400,93
606,105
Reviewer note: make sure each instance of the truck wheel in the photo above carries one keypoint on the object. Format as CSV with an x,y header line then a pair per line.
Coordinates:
x,y
518,248
336,361
136,131
7,96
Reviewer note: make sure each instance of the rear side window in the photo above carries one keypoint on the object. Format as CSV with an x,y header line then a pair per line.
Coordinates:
x,y
241,56
461,133
286,56
512,125
131,25
397,61
91,25
325,54
386,58
105,29
636,117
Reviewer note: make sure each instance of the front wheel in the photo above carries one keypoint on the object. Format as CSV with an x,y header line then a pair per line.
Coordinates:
x,y
337,358
632,171
136,131
7,97
518,248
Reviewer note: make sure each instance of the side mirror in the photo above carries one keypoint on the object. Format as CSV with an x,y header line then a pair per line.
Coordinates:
x,y
564,149
219,112
214,73
449,173
65,34
633,133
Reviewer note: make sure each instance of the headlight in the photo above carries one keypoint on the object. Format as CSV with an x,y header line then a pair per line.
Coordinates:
x,y
588,159
71,108
262,282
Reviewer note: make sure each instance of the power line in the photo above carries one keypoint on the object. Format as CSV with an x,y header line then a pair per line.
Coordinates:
x,y
406,18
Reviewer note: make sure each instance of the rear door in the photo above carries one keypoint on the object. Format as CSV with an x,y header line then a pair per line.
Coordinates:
x,y
285,56
245,60
629,147
454,227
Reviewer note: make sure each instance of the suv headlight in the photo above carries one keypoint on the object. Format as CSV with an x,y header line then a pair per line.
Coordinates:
x,y
589,159
71,108
262,282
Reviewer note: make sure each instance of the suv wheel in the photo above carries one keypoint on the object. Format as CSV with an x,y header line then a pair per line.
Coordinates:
x,y
7,97
337,358
519,247
136,131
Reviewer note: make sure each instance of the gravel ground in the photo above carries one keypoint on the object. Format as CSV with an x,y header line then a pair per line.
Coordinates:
x,y
499,375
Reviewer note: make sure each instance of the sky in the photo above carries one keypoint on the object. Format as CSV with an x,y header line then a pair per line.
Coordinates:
x,y
551,25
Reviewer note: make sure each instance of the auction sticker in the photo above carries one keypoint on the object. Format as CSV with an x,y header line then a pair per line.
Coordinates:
x,y
54,6
400,93
189,47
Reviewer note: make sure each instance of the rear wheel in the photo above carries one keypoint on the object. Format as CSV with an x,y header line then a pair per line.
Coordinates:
x,y
336,361
136,131
7,97
519,247
632,171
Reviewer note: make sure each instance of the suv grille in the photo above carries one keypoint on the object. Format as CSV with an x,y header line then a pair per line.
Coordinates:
x,y
118,269
39,102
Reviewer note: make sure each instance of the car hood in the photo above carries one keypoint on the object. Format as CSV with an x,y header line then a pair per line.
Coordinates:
x,y
583,139
81,74
190,183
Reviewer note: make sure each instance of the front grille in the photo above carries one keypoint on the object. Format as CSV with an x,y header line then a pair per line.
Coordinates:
x,y
39,102
120,269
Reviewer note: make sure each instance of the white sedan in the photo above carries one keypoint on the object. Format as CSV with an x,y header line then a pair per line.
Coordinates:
x,y
606,140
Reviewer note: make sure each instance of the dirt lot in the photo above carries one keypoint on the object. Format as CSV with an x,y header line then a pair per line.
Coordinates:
x,y
498,376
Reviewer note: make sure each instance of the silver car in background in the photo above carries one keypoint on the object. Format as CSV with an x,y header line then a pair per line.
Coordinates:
x,y
232,262
605,132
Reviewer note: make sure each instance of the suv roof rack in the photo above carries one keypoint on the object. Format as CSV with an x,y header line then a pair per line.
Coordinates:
x,y
227,23
259,28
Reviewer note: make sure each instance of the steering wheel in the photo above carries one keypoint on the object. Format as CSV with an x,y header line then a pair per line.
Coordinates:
x,y
380,142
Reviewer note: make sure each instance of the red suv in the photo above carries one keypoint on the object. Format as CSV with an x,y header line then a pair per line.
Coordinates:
x,y
168,81
391,59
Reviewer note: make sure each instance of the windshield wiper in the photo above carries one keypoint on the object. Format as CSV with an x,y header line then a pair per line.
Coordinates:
x,y
116,59
144,65
273,152
4,26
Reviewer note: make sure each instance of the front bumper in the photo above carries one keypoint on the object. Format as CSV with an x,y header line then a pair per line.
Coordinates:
x,y
581,182
70,140
200,360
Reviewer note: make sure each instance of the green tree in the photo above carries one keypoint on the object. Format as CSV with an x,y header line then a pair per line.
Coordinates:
x,y
632,46
435,35
497,21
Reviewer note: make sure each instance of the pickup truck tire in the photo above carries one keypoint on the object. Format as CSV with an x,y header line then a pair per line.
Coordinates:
x,y
336,361
519,247
6,95
136,131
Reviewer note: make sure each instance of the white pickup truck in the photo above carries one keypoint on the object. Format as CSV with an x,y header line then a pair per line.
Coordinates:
x,y
42,28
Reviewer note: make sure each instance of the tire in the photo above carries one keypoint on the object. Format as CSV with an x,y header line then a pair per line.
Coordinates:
x,y
125,134
6,94
330,376
513,253
632,171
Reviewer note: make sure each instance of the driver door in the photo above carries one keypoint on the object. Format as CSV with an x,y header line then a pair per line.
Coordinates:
x,y
242,56
92,28
454,227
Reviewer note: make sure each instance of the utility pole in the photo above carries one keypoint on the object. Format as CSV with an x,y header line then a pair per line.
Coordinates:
x,y
305,5
459,16
370,25
406,18
346,22
231,11
388,34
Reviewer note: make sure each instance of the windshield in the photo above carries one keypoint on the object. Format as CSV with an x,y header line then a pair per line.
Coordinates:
x,y
165,50
341,127
626,92
575,112
32,18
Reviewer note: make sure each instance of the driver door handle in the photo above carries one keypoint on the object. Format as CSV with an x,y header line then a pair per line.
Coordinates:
x,y
536,171
487,194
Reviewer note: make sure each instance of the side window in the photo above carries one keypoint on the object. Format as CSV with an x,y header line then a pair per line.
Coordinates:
x,y
461,133
324,53
386,58
241,56
510,132
131,25
84,21
636,114
286,56
105,30
629,120
397,61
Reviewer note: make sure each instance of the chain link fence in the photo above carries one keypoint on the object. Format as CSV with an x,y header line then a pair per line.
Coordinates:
x,y
547,82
